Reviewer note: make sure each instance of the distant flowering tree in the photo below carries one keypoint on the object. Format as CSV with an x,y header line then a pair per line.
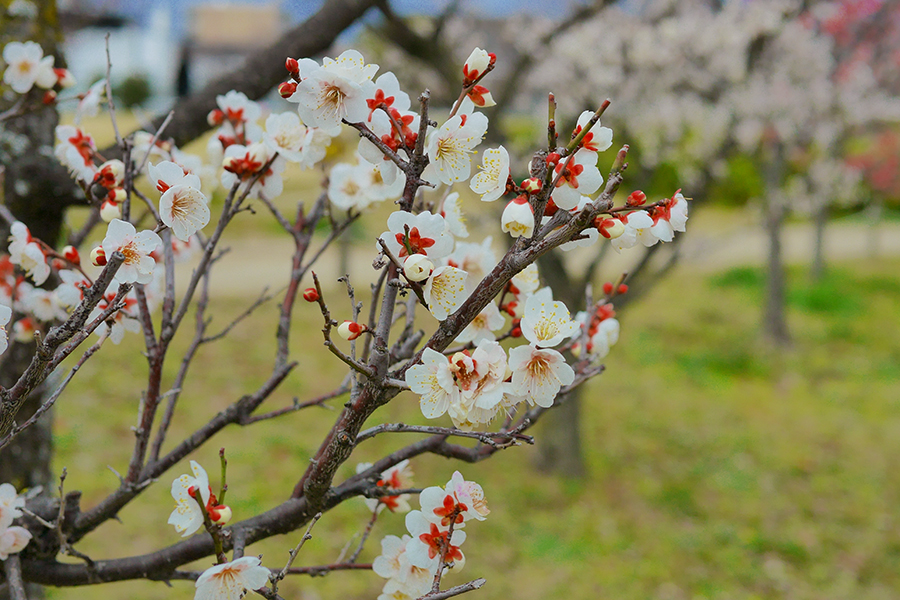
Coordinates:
x,y
496,352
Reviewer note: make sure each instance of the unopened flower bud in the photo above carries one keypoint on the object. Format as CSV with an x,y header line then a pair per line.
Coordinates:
x,y
417,267
291,65
258,152
553,158
113,169
609,228
532,185
229,163
620,159
49,97
636,198
110,210
287,89
551,208
70,253
310,295
350,330
608,288
621,289
117,195
220,515
215,117
64,78
516,331
475,65
98,257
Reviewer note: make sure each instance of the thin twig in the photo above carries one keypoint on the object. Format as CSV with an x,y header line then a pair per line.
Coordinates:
x,y
293,554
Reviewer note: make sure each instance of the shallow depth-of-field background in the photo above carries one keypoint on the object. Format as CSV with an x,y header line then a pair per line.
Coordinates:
x,y
717,467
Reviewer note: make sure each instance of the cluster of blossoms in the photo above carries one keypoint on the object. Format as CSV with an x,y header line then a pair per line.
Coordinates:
x,y
27,67
410,563
12,537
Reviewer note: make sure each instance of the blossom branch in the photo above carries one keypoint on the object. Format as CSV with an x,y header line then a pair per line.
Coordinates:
x,y
13,570
511,438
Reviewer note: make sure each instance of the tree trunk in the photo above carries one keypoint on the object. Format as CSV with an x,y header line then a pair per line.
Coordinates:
x,y
559,443
820,220
774,320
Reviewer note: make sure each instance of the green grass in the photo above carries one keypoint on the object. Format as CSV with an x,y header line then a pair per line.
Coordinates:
x,y
718,467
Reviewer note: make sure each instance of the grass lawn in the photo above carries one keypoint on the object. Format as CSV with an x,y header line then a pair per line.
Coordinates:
x,y
718,467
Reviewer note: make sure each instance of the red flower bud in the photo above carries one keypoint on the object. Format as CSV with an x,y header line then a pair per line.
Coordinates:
x,y
49,97
636,198
291,65
608,288
70,253
622,289
553,158
287,89
551,208
215,117
310,295
98,257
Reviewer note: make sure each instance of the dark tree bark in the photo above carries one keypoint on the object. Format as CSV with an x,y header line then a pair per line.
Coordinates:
x,y
775,326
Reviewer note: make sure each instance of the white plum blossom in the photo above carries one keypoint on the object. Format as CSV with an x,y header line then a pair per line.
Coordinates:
x,y
481,380
445,291
482,326
26,66
182,206
450,148
424,549
634,222
336,91
11,503
70,291
231,580
453,215
417,267
122,320
398,477
76,150
546,322
433,381
597,139
538,373
138,265
27,253
476,64
359,186
458,502
42,304
89,102
423,233
12,540
188,516
404,578
5,316
576,178
518,218
475,259
490,182
287,136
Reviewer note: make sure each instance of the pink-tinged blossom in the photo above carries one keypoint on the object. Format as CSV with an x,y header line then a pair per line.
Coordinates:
x,y
491,180
188,516
518,218
457,502
450,148
12,540
76,150
10,503
336,91
576,178
433,381
445,291
483,326
230,581
634,222
27,253
546,322
424,549
423,233
138,266
606,336
538,373
27,66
